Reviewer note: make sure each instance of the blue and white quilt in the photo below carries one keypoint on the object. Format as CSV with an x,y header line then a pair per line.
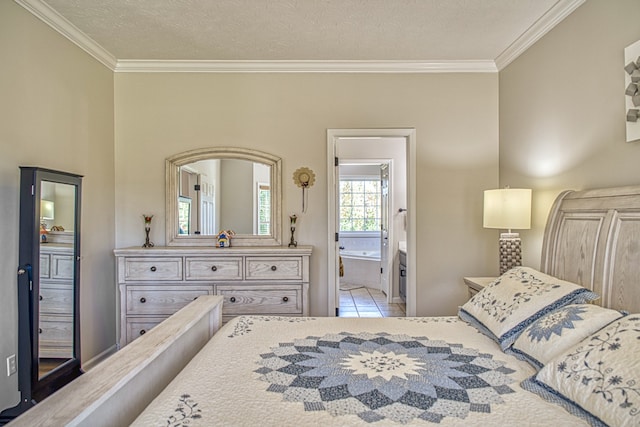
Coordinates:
x,y
283,371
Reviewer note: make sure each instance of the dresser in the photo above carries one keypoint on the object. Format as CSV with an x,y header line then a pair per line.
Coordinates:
x,y
476,284
156,282
56,301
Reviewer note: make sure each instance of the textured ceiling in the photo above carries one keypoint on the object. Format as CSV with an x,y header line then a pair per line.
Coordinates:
x,y
303,30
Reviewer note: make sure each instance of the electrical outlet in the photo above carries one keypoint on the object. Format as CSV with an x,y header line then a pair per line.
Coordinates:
x,y
11,365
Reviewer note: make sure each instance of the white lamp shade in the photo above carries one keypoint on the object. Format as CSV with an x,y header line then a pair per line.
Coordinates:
x,y
46,209
507,208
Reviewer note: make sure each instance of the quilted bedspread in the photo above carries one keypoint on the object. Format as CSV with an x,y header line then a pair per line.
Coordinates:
x,y
285,371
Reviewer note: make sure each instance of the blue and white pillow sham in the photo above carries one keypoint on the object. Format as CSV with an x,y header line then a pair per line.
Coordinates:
x,y
597,379
555,332
505,307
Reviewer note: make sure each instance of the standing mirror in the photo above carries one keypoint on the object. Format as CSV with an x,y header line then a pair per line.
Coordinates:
x,y
48,283
223,188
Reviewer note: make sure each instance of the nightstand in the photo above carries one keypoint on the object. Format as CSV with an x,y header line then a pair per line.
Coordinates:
x,y
475,284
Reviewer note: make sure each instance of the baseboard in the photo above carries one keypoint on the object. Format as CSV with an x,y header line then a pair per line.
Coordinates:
x,y
89,364
397,300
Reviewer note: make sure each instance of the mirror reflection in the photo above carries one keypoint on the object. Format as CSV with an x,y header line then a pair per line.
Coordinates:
x,y
224,194
56,299
223,188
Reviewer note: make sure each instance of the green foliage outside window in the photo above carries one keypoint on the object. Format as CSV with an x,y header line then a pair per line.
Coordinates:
x,y
359,205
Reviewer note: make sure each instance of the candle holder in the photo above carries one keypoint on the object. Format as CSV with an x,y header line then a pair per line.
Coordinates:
x,y
293,242
147,229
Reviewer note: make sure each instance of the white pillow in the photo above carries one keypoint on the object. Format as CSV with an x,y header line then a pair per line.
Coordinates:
x,y
505,307
597,379
555,332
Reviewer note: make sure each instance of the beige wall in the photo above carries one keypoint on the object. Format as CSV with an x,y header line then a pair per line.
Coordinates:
x,y
56,112
562,111
455,116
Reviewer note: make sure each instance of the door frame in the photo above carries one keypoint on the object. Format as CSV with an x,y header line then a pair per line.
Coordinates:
x,y
333,278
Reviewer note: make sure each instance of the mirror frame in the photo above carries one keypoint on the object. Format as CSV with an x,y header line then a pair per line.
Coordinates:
x,y
172,169
34,388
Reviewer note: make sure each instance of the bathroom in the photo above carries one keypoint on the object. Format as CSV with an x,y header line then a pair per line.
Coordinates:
x,y
369,227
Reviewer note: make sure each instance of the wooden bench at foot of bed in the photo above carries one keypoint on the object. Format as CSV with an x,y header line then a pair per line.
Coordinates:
x,y
115,391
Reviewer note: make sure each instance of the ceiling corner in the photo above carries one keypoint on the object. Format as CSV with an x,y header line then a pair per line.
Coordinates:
x,y
542,26
52,18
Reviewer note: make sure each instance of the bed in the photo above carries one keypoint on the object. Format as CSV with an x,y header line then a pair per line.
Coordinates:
x,y
556,346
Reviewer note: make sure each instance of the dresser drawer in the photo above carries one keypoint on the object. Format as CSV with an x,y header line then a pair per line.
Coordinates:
x,y
45,261
56,298
61,267
211,268
260,299
138,326
152,269
56,336
281,268
156,300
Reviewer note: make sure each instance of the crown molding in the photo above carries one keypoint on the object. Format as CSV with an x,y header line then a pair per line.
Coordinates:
x,y
132,66
56,21
542,26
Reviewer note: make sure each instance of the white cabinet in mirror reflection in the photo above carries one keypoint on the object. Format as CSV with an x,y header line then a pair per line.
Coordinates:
x,y
56,301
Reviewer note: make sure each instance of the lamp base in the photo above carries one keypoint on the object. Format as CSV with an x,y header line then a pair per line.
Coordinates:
x,y
510,251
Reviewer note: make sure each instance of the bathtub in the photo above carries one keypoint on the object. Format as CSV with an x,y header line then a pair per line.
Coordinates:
x,y
361,267
363,255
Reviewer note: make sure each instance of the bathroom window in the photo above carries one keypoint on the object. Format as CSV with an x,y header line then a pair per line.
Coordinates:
x,y
360,205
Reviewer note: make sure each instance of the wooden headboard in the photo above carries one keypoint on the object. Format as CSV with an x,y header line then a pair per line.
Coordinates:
x,y
592,238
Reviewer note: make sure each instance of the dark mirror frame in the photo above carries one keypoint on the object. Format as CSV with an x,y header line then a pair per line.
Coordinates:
x,y
32,388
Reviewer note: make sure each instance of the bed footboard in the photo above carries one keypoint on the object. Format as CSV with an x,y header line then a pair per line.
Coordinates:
x,y
115,391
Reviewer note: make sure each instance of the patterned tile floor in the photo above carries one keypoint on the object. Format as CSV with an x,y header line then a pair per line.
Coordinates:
x,y
368,302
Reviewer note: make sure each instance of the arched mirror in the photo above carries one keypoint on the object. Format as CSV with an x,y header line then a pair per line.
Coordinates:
x,y
48,283
223,188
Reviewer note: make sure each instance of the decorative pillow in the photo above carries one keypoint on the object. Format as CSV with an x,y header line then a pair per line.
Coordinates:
x,y
598,379
505,307
555,332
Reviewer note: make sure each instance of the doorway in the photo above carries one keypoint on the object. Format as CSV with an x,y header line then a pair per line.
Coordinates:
x,y
368,258
386,150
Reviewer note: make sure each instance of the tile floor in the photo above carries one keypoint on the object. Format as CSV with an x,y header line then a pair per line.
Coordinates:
x,y
367,302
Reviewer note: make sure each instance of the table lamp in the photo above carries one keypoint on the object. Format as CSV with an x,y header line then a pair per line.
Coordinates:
x,y
508,209
46,210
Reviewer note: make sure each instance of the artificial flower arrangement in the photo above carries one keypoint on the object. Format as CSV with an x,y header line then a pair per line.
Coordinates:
x,y
147,220
224,238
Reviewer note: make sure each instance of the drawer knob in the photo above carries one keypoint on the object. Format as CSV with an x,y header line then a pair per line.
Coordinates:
x,y
214,268
39,330
232,299
285,299
142,331
274,268
153,268
143,300
41,298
